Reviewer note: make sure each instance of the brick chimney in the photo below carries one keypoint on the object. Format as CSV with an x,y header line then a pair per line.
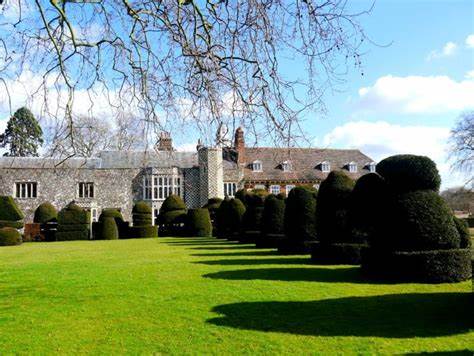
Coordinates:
x,y
165,143
239,145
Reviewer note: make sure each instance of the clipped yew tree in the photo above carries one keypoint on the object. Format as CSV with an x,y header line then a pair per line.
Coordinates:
x,y
122,225
142,222
212,206
198,223
10,236
272,222
47,216
251,220
222,219
108,229
10,213
300,221
73,223
172,216
337,245
235,213
421,241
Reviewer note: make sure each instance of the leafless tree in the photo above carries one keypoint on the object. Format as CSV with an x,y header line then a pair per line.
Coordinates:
x,y
128,133
462,144
198,64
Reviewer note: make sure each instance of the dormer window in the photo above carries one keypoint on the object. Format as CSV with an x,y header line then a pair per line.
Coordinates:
x,y
286,166
352,167
257,166
371,166
325,167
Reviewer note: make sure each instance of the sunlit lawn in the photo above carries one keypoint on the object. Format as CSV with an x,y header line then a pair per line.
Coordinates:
x,y
212,297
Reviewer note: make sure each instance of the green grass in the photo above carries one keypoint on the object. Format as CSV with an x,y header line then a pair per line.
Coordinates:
x,y
198,296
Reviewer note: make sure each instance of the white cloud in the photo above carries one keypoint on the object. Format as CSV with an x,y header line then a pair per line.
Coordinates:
x,y
470,41
449,49
186,147
381,139
417,95
470,74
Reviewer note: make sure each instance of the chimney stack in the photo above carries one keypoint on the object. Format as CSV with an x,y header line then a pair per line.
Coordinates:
x,y
239,145
165,143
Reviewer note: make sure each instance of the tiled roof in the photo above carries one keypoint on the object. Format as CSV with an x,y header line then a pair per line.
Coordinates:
x,y
305,163
40,162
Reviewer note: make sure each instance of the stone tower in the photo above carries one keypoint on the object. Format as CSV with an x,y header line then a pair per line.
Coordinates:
x,y
211,174
239,145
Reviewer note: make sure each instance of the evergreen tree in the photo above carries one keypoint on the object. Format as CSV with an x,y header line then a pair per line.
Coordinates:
x,y
23,135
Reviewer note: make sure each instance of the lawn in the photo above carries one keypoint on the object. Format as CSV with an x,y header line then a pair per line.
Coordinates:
x,y
203,296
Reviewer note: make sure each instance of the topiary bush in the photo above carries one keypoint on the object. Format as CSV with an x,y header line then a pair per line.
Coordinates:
x,y
122,226
463,229
300,221
222,219
242,195
138,232
172,216
9,237
422,240
73,223
198,223
10,213
108,229
251,220
235,213
213,205
47,216
272,222
142,222
409,172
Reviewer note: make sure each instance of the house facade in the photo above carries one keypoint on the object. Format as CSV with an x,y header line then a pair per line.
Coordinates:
x,y
117,179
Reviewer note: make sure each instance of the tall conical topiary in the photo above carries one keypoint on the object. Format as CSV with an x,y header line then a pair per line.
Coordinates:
x,y
272,222
222,219
235,213
198,223
109,229
213,205
251,220
422,241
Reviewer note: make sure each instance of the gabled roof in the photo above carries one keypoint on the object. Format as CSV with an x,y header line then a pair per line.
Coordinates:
x,y
305,163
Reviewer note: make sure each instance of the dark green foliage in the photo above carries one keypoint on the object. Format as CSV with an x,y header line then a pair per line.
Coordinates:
x,y
122,225
273,216
73,223
420,221
13,224
111,213
9,211
463,231
405,173
108,229
141,214
332,208
242,195
251,221
9,237
235,214
137,232
23,135
213,205
45,213
300,214
337,253
198,223
172,216
222,218
172,203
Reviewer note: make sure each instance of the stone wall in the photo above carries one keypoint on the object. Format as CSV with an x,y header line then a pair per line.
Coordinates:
x,y
211,175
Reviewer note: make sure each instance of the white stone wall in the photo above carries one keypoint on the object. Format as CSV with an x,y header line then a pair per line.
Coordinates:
x,y
211,174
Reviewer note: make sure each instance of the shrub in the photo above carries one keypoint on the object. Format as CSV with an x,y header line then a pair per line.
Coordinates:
x,y
122,225
300,217
409,172
242,195
73,223
198,223
213,205
273,216
252,217
9,237
111,213
45,213
235,214
137,232
172,216
13,224
332,208
141,214
108,229
463,231
9,211
222,218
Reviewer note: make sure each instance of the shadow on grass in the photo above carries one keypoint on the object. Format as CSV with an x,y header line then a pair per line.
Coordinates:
x,y
454,352
243,253
231,246
333,275
389,316
267,261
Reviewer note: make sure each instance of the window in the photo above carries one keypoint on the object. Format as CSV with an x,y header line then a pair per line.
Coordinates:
x,y
325,167
352,166
161,187
371,166
275,189
147,188
85,190
230,189
289,187
26,190
177,186
257,166
286,166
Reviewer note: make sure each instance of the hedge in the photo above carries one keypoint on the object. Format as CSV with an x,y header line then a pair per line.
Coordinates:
x,y
108,228
9,237
222,216
143,231
45,213
273,216
198,223
12,224
252,218
9,210
409,172
463,231
213,205
300,219
235,212
337,253
72,235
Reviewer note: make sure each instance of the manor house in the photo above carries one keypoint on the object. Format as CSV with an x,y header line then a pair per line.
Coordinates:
x,y
116,179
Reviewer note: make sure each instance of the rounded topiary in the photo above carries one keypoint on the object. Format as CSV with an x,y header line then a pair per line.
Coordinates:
x,y
242,195
213,205
172,216
10,213
73,223
254,210
45,213
235,214
173,202
108,229
463,230
300,209
111,213
272,223
198,223
409,172
222,219
141,214
9,237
